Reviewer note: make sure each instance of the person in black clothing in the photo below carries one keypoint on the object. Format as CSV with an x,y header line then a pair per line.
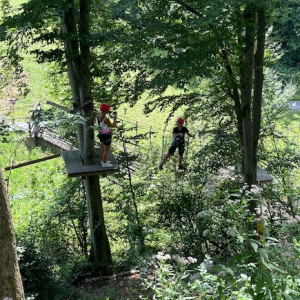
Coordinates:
x,y
178,142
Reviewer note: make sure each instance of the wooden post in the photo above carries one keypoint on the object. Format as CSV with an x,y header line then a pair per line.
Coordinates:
x,y
259,223
163,144
136,133
150,141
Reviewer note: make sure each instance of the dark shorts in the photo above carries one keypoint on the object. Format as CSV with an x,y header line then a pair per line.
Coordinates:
x,y
173,148
105,139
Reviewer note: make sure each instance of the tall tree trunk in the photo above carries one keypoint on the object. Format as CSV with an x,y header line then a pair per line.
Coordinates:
x,y
100,252
77,46
246,96
85,82
257,97
69,29
258,79
10,278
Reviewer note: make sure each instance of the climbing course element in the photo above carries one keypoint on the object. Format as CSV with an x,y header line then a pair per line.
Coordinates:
x,y
76,168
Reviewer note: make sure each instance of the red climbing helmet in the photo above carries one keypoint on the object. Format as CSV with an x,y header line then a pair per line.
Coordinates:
x,y
104,107
180,120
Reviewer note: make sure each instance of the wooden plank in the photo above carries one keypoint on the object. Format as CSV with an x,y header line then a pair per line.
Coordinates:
x,y
76,168
55,140
32,162
267,127
38,104
59,106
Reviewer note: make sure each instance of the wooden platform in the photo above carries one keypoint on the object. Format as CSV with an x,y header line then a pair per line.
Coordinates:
x,y
76,168
262,176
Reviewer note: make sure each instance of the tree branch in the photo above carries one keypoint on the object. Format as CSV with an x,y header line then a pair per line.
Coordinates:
x,y
189,8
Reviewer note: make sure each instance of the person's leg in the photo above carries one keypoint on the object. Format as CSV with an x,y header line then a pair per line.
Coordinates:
x,y
106,141
105,153
167,156
102,151
180,159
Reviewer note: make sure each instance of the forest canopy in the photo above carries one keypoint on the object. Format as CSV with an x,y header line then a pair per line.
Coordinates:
x,y
226,224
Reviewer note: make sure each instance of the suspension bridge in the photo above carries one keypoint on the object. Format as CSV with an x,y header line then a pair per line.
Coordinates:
x,y
60,146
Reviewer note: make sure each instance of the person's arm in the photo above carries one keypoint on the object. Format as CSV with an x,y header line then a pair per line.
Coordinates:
x,y
174,133
111,124
191,135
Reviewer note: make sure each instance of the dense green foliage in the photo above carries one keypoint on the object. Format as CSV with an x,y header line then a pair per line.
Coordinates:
x,y
150,49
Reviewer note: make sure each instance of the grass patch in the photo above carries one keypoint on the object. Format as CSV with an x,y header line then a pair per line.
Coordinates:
x,y
291,119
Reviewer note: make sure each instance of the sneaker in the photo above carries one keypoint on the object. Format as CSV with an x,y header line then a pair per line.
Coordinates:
x,y
181,167
160,167
107,162
106,165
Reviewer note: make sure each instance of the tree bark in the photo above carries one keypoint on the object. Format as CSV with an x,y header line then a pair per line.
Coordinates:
x,y
85,82
246,96
10,278
77,44
100,252
258,79
69,29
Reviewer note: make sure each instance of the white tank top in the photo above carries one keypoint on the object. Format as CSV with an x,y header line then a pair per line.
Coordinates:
x,y
104,128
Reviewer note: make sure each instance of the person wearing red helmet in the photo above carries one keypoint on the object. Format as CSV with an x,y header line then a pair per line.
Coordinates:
x,y
178,142
104,134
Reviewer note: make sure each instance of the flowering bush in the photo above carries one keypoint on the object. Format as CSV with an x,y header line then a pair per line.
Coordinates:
x,y
175,277
235,261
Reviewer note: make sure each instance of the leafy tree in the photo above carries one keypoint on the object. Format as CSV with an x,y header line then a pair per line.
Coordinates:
x,y
286,32
55,23
181,43
10,278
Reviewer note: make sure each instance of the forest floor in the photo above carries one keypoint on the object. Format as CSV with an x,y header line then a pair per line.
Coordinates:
x,y
123,288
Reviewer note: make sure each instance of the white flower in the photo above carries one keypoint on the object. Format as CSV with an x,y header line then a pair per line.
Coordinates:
x,y
192,260
162,256
287,216
205,232
230,231
215,181
180,260
257,210
227,173
159,257
254,189
167,256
